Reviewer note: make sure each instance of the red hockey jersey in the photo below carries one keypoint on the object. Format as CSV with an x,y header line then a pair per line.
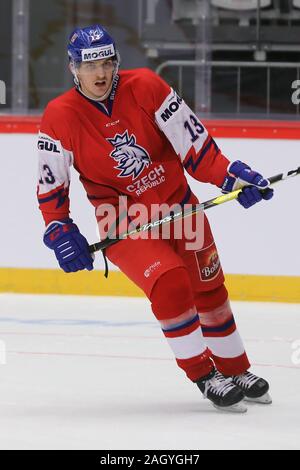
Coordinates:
x,y
137,145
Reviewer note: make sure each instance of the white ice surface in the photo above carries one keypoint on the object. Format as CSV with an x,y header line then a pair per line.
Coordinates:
x,y
97,373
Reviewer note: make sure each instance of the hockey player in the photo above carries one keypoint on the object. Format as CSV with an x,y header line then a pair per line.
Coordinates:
x,y
123,130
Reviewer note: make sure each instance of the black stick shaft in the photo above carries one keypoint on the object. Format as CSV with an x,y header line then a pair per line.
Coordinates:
x,y
183,214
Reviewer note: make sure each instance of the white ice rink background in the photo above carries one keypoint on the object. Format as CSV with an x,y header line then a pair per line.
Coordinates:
x,y
97,373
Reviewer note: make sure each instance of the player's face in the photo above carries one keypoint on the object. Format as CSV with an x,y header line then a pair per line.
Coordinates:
x,y
95,77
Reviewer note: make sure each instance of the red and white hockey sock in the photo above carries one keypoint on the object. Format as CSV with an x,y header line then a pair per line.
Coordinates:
x,y
172,302
185,338
224,341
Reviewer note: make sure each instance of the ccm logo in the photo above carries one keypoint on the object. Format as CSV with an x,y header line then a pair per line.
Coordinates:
x,y
49,146
171,109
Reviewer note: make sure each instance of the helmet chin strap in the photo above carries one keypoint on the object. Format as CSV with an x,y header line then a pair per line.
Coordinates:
x,y
106,94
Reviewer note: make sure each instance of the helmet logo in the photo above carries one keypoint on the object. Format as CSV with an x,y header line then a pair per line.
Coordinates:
x,y
95,53
131,158
95,34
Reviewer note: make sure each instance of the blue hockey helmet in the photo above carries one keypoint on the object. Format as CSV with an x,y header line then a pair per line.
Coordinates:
x,y
91,43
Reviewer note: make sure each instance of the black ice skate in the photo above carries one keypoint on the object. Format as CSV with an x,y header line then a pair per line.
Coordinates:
x,y
222,392
254,388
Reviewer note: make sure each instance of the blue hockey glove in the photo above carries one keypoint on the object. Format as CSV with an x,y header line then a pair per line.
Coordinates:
x,y
70,247
240,175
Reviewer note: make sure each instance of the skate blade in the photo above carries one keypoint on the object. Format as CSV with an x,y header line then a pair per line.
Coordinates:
x,y
263,400
237,408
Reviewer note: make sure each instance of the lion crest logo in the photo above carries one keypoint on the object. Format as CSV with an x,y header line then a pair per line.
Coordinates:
x,y
131,158
95,35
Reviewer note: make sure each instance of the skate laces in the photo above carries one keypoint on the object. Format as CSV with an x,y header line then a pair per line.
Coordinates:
x,y
218,385
246,379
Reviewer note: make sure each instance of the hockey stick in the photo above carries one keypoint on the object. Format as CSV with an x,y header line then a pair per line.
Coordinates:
x,y
183,214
